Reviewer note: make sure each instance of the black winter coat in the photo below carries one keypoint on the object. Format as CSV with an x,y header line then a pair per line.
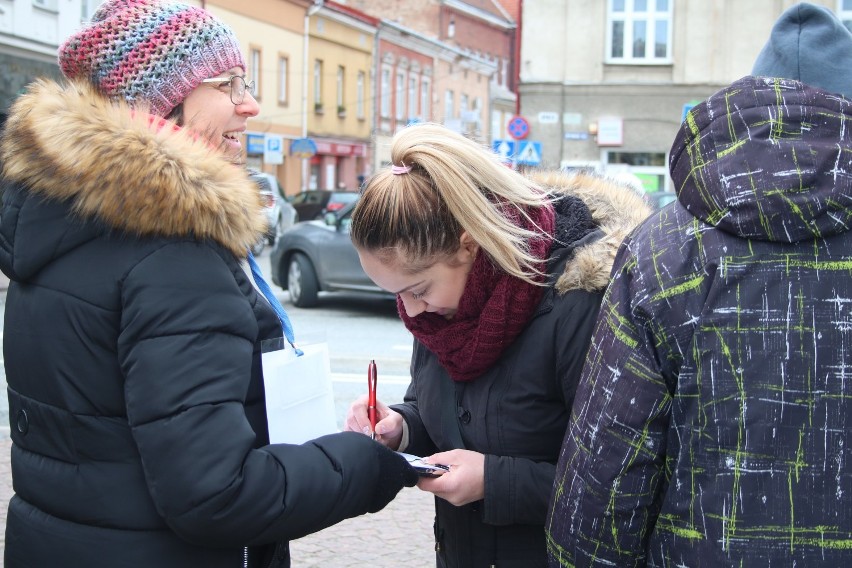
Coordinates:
x,y
517,411
132,354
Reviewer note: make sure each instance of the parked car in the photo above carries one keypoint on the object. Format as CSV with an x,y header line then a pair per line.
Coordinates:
x,y
315,203
280,215
317,256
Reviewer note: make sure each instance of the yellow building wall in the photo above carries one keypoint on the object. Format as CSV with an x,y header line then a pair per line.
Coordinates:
x,y
337,44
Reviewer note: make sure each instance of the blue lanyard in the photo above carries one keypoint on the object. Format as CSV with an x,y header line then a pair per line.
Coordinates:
x,y
263,286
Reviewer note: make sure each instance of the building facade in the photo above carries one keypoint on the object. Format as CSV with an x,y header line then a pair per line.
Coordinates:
x,y
30,34
609,84
474,78
341,48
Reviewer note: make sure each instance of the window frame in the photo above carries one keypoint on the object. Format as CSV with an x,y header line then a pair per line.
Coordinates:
x,y
845,14
413,95
318,65
341,86
629,18
425,98
400,93
360,86
385,99
283,79
255,71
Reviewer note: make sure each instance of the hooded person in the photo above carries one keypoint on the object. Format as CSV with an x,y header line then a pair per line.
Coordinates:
x,y
712,421
132,331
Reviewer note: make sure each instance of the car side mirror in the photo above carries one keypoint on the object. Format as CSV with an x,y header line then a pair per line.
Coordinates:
x,y
331,219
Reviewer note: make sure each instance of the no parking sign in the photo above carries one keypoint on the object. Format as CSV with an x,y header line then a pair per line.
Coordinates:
x,y
518,127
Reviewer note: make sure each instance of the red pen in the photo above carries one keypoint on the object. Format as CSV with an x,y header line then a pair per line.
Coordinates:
x,y
372,379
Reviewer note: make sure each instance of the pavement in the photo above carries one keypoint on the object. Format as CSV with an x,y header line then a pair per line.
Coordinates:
x,y
398,535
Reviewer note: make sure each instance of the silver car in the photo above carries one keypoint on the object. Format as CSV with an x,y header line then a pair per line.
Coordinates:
x,y
316,256
280,214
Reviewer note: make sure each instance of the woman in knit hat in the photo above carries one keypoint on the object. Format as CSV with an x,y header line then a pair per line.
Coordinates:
x,y
498,277
132,331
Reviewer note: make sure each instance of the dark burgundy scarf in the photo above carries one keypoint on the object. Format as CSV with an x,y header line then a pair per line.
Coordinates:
x,y
493,309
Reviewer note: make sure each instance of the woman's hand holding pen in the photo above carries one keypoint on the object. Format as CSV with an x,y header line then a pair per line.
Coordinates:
x,y
388,426
464,483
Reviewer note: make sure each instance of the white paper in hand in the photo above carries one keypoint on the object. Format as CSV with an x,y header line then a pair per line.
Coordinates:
x,y
299,395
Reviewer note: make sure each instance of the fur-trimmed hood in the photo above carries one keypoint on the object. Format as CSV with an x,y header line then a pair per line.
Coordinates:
x,y
616,210
125,169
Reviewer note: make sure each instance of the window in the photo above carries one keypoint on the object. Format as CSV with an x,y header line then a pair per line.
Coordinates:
x,y
283,80
318,85
386,92
47,5
341,88
425,98
254,71
639,31
399,95
362,78
844,12
449,98
412,95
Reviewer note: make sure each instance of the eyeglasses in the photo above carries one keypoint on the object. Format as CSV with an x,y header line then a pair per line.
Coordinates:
x,y
237,85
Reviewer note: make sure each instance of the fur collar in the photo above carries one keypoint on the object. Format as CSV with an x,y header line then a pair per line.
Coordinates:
x,y
130,171
616,209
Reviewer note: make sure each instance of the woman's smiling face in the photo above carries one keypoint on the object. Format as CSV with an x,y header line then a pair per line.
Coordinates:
x,y
209,112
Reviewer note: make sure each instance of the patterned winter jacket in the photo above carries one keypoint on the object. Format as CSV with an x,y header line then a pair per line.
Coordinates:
x,y
713,420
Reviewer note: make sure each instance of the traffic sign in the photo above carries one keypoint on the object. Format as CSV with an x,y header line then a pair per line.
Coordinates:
x,y
518,127
529,153
273,150
505,149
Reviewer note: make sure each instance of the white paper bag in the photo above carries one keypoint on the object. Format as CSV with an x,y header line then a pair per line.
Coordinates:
x,y
299,395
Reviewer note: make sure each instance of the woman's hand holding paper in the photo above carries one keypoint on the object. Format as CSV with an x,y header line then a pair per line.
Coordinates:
x,y
464,483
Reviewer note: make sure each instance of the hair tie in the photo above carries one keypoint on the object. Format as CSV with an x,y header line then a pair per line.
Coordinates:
x,y
399,170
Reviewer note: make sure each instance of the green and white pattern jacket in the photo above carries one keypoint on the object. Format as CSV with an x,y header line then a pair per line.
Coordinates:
x,y
713,420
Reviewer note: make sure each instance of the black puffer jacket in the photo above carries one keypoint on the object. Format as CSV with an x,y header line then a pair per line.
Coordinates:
x,y
516,413
131,352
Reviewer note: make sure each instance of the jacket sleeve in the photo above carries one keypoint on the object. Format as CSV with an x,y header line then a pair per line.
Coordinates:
x,y
517,490
186,349
604,502
419,442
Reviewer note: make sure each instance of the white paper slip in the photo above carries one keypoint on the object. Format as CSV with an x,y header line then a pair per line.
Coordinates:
x,y
423,468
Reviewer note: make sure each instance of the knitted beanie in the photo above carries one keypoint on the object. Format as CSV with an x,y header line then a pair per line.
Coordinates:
x,y
152,52
810,44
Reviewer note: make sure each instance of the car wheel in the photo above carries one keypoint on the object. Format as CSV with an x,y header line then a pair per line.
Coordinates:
x,y
302,282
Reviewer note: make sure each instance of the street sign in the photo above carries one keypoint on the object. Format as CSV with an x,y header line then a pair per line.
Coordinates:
x,y
505,149
273,150
548,117
303,148
518,127
529,153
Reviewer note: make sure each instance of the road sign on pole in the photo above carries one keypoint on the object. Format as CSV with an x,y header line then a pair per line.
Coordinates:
x,y
518,127
505,149
529,153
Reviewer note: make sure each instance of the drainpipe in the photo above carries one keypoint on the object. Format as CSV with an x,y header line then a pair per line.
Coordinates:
x,y
518,36
313,9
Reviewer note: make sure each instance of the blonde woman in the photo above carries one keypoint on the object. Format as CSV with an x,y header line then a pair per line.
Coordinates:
x,y
499,278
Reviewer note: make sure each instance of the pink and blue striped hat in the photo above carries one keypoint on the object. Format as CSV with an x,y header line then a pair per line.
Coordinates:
x,y
152,52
